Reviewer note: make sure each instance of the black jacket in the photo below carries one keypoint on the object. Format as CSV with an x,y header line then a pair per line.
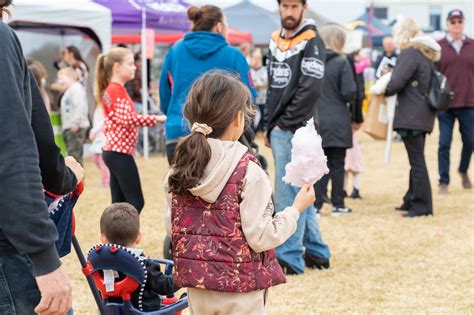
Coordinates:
x,y
333,109
25,129
157,284
356,105
295,71
411,81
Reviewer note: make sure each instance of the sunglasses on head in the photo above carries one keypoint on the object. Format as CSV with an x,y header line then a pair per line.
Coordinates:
x,y
458,21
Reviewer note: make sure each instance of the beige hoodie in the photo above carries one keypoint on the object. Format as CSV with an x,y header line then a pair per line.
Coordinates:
x,y
261,230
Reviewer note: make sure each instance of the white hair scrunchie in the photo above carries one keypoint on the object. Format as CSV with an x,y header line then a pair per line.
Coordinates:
x,y
201,128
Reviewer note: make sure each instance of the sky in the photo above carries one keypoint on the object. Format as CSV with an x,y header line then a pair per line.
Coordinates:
x,y
341,11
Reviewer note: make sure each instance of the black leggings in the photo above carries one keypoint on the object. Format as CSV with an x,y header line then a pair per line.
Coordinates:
x,y
336,157
124,179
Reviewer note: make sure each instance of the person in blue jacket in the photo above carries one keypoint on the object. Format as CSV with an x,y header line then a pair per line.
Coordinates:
x,y
204,48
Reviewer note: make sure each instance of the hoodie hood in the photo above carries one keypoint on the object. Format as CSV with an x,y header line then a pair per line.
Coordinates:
x,y
427,46
331,54
224,159
204,44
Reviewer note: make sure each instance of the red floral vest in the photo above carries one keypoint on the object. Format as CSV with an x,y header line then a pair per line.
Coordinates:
x,y
209,247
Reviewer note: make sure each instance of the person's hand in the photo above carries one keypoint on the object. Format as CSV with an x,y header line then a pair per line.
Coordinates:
x,y
91,135
266,141
161,119
356,126
74,129
75,167
56,293
304,198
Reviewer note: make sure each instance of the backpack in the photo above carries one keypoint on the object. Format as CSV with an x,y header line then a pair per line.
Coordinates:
x,y
440,94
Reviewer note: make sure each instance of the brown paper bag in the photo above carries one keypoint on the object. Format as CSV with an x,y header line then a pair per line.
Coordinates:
x,y
376,120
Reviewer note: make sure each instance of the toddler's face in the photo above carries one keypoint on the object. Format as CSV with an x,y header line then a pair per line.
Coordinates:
x,y
65,81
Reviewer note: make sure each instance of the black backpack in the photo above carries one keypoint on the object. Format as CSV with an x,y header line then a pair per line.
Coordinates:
x,y
440,94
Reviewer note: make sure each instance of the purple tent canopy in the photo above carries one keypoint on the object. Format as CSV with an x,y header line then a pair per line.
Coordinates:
x,y
161,14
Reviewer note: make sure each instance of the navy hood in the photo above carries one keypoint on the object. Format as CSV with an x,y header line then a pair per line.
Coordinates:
x,y
204,44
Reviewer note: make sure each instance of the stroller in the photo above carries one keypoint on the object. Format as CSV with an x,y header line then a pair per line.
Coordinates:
x,y
61,213
247,139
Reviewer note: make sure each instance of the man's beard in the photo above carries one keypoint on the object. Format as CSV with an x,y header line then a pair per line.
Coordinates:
x,y
290,24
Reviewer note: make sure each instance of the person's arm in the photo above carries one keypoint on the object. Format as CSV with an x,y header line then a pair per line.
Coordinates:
x,y
302,106
23,214
122,113
158,281
402,73
57,178
166,83
243,70
261,230
347,83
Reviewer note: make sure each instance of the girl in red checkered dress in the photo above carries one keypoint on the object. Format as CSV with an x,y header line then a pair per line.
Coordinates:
x,y
121,125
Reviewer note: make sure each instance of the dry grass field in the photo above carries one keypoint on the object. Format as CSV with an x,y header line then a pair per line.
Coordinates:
x,y
381,263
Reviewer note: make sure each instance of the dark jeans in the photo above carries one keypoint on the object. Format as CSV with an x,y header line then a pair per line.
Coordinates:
x,y
19,293
418,198
336,157
170,148
124,179
465,118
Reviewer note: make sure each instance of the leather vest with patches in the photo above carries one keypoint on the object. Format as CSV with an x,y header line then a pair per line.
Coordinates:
x,y
209,247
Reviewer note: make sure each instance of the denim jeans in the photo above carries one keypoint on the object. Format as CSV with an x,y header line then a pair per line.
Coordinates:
x,y
465,117
307,232
19,293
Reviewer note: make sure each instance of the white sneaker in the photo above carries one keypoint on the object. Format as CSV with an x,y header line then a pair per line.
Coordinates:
x,y
318,212
337,212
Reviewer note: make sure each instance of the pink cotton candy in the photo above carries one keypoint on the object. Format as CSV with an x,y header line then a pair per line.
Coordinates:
x,y
308,161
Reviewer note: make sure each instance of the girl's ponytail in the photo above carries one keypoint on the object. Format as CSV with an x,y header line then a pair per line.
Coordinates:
x,y
190,159
102,78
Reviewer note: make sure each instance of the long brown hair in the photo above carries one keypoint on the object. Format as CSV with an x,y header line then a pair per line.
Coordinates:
x,y
104,67
215,99
205,17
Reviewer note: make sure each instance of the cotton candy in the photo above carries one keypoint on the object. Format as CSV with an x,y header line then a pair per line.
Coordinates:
x,y
308,161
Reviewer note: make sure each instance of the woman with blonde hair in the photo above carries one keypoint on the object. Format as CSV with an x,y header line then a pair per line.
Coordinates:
x,y
333,115
413,119
403,31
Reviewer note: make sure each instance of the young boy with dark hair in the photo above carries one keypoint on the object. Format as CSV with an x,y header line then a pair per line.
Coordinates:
x,y
120,224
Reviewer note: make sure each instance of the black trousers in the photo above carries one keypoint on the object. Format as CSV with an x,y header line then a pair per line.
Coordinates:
x,y
124,179
418,198
336,157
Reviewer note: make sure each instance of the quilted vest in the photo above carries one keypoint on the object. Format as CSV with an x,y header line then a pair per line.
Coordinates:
x,y
209,247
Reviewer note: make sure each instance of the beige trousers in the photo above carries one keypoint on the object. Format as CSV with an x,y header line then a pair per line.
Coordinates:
x,y
207,302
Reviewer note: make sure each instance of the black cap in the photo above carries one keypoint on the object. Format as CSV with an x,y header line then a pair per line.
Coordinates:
x,y
455,13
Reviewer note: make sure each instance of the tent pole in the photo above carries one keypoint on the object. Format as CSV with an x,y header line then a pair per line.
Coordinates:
x,y
144,82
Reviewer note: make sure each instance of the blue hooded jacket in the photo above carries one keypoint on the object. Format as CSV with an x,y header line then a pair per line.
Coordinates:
x,y
196,54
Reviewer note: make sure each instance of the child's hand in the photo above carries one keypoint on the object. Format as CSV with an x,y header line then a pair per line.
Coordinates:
x,y
161,119
304,198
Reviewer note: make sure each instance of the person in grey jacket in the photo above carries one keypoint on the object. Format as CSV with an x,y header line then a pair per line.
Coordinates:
x,y
334,117
413,119
30,267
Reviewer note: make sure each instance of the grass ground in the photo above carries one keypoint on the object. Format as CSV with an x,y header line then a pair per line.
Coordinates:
x,y
381,263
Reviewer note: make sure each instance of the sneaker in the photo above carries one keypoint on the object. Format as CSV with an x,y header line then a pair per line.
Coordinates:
x,y
337,212
315,262
287,270
414,214
443,189
318,212
355,194
466,182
